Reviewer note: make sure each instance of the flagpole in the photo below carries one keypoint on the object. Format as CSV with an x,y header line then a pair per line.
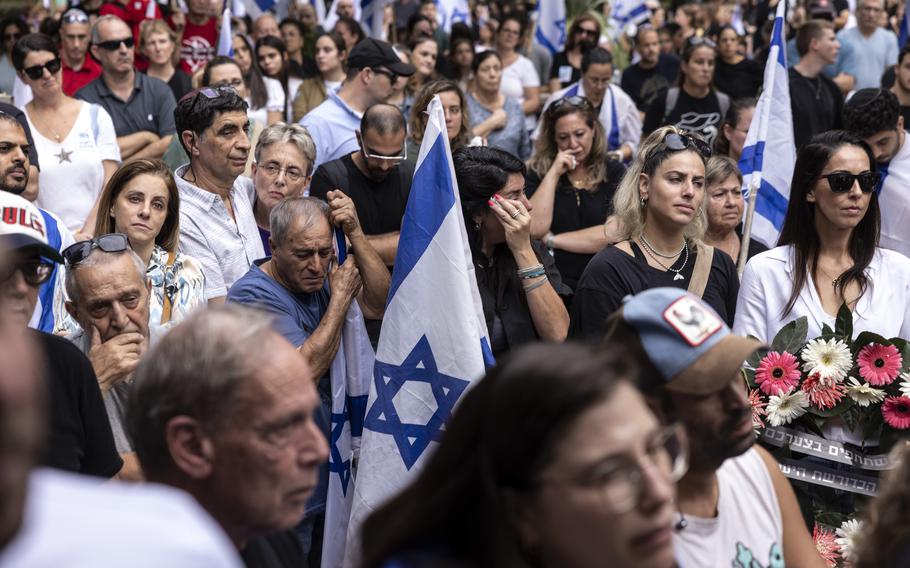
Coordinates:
x,y
747,230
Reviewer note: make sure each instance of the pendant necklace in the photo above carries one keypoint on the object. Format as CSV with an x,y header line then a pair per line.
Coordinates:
x,y
653,254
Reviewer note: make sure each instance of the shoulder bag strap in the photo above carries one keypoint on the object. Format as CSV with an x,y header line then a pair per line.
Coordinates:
x,y
703,260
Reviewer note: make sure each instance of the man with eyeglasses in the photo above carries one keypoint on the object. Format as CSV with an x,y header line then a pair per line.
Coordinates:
x,y
78,68
373,68
80,435
615,109
875,47
314,304
734,506
141,107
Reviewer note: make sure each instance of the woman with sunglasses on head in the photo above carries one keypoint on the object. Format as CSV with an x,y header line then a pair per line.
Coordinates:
x,y
584,34
519,76
828,253
330,57
456,110
264,95
695,105
552,460
158,43
272,57
734,74
658,224
76,139
571,182
496,118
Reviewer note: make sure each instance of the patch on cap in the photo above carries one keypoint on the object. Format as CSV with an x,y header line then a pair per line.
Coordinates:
x,y
23,219
692,321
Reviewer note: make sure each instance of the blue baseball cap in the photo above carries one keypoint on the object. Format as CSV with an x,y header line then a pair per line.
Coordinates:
x,y
687,342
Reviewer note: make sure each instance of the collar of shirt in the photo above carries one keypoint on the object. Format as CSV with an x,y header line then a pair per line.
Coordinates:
x,y
191,193
88,65
105,91
340,102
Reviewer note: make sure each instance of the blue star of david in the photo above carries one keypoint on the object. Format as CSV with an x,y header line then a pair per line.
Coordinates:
x,y
419,366
354,407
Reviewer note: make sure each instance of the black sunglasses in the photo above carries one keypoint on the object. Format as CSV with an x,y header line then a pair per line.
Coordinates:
x,y
575,101
35,72
390,74
685,141
698,41
210,93
114,44
587,32
75,16
842,182
35,272
112,242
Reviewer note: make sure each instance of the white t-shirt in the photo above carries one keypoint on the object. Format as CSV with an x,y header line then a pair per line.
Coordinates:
x,y
275,102
72,174
520,74
82,522
894,202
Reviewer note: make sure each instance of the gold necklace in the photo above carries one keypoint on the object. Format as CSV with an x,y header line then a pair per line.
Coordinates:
x,y
834,281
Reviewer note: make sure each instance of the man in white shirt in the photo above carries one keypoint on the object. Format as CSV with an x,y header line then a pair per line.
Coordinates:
x,y
616,109
734,506
874,115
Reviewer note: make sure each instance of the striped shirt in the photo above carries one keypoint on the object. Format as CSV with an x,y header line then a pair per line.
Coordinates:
x,y
225,247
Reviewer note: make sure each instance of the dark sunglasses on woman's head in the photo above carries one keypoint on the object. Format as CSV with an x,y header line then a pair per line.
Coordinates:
x,y
35,72
842,182
573,101
684,141
114,44
698,41
112,242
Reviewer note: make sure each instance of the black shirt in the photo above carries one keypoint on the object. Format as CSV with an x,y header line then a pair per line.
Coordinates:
x,y
561,66
817,105
180,84
80,437
276,550
695,115
643,85
738,81
612,275
380,205
575,209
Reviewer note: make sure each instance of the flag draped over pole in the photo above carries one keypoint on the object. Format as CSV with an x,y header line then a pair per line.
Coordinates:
x,y
434,340
551,25
225,38
769,152
629,12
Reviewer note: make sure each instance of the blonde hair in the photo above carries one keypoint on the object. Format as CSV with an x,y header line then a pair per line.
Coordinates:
x,y
627,207
545,148
149,27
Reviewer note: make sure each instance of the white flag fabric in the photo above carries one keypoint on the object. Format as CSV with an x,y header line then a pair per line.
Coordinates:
x,y
225,39
770,143
629,12
371,17
551,25
452,11
434,341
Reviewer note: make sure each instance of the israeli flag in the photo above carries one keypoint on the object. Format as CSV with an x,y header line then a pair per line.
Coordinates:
x,y
452,11
770,141
904,34
225,39
371,17
433,343
629,12
551,25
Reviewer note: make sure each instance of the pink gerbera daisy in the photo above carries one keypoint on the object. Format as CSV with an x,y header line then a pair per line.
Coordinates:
x,y
758,409
777,373
823,393
879,364
826,545
896,412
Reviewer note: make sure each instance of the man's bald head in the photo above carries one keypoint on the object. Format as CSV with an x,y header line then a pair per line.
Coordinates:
x,y
383,119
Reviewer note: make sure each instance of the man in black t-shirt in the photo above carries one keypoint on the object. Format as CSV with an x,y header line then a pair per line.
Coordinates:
x,y
653,74
815,99
79,434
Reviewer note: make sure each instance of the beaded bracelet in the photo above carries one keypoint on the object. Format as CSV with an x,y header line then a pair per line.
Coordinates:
x,y
535,285
532,272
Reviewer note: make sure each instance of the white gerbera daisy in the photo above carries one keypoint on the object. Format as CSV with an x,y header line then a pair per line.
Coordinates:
x,y
862,393
846,535
905,383
785,408
831,359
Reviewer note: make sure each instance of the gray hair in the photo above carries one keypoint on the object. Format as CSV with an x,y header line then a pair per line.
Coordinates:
x,y
96,35
295,134
96,258
720,168
196,370
304,209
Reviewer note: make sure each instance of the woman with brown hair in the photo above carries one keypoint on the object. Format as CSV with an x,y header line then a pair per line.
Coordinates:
x,y
458,126
584,34
330,57
424,53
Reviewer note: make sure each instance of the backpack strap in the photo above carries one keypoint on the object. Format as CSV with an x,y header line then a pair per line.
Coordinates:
x,y
670,102
704,257
723,101
93,114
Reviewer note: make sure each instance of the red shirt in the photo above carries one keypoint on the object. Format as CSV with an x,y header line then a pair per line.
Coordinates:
x,y
133,13
75,80
198,45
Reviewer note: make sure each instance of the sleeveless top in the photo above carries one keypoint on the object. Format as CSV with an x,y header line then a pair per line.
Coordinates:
x,y
748,529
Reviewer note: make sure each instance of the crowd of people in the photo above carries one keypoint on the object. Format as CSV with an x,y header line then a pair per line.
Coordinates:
x,y
187,237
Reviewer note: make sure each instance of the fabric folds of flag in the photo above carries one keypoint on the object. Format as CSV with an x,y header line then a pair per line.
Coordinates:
x,y
629,12
904,32
372,16
769,153
434,340
452,11
225,38
551,25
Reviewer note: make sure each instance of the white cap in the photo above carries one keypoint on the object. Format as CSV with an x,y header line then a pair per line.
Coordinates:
x,y
22,226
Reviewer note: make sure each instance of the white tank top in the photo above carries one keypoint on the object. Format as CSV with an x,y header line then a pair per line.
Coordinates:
x,y
748,530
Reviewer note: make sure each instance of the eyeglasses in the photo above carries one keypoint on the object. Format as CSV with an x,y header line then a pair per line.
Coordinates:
x,y
575,101
291,173
403,156
35,272
112,242
698,41
35,72
114,44
842,182
390,74
588,32
75,17
620,483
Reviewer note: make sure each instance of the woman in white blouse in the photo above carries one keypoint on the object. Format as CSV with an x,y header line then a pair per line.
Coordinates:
x,y
75,140
519,77
828,253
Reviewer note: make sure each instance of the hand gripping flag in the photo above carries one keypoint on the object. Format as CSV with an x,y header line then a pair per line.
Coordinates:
x,y
551,25
434,341
770,152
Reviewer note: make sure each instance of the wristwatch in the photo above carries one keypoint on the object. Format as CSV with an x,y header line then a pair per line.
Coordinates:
x,y
548,240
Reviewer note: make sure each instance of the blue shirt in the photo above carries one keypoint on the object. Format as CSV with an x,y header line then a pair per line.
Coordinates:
x,y
295,317
332,125
846,62
874,54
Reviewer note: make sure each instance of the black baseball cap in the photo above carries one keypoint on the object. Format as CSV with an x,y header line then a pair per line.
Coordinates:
x,y
375,53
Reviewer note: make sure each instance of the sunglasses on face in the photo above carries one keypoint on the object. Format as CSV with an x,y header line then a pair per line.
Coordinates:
x,y
588,32
114,44
35,72
35,272
390,74
842,182
113,242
